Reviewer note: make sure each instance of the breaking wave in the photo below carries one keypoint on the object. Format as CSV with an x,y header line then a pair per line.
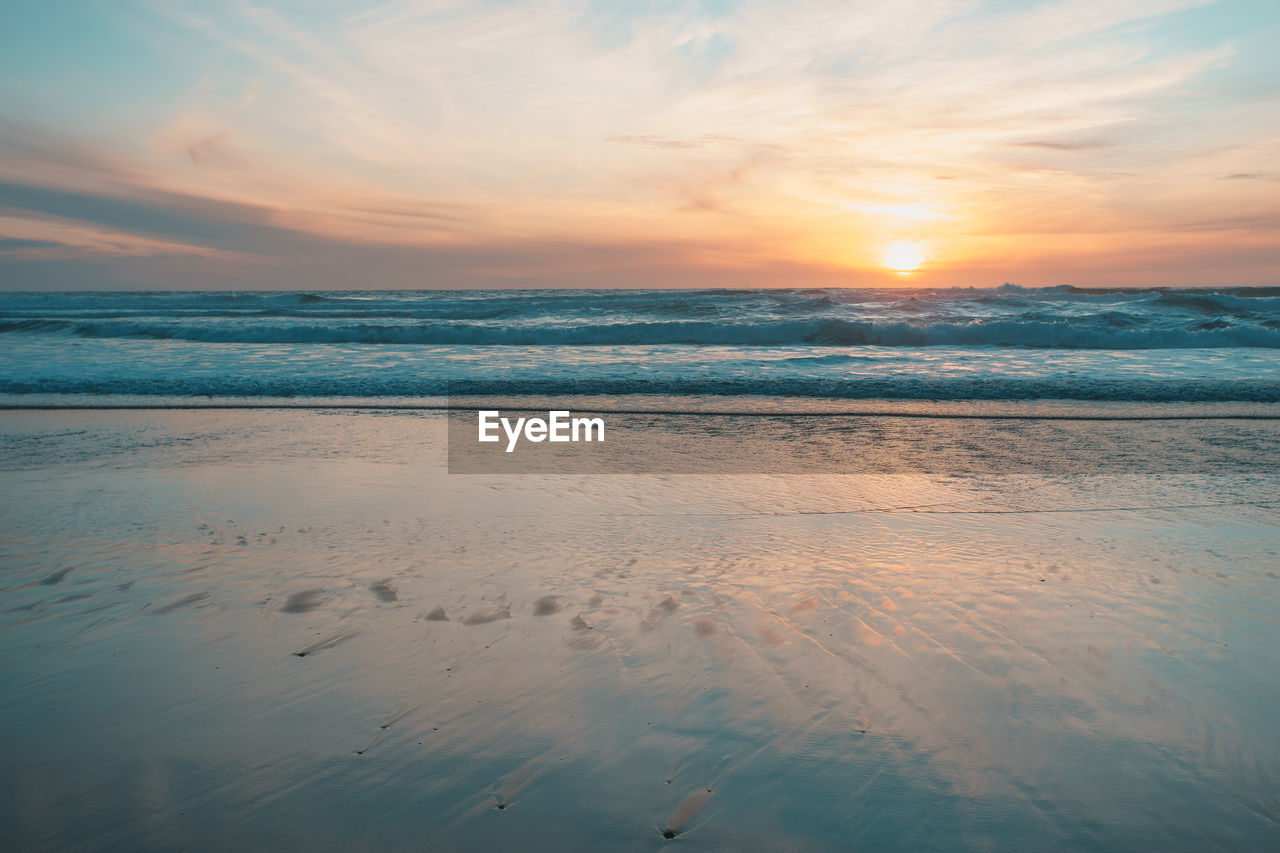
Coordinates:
x,y
1006,343
1009,316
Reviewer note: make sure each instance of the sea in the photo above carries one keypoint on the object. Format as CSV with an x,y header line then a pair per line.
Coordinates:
x,y
1154,345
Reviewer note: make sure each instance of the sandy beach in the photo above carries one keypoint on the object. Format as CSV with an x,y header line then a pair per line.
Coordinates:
x,y
299,619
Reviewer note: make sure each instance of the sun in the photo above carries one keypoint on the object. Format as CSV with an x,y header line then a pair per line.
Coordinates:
x,y
903,257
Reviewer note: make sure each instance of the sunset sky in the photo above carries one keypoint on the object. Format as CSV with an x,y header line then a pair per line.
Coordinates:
x,y
592,144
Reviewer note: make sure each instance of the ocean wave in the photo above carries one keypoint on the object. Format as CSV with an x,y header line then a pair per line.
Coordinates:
x,y
1107,331
1009,316
858,388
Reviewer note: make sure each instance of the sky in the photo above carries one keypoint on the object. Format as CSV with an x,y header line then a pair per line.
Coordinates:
x,y
327,144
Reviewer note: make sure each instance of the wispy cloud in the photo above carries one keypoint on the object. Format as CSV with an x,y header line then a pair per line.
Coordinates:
x,y
801,136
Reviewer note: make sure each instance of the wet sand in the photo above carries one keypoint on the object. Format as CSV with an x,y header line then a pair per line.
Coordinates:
x,y
293,630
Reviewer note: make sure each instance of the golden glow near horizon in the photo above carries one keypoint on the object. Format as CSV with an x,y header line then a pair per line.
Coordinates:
x,y
903,257
580,144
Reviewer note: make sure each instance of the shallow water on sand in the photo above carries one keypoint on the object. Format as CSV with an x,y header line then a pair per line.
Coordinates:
x,y
293,629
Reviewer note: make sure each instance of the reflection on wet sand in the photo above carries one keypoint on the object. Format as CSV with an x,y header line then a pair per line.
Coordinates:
x,y
375,655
